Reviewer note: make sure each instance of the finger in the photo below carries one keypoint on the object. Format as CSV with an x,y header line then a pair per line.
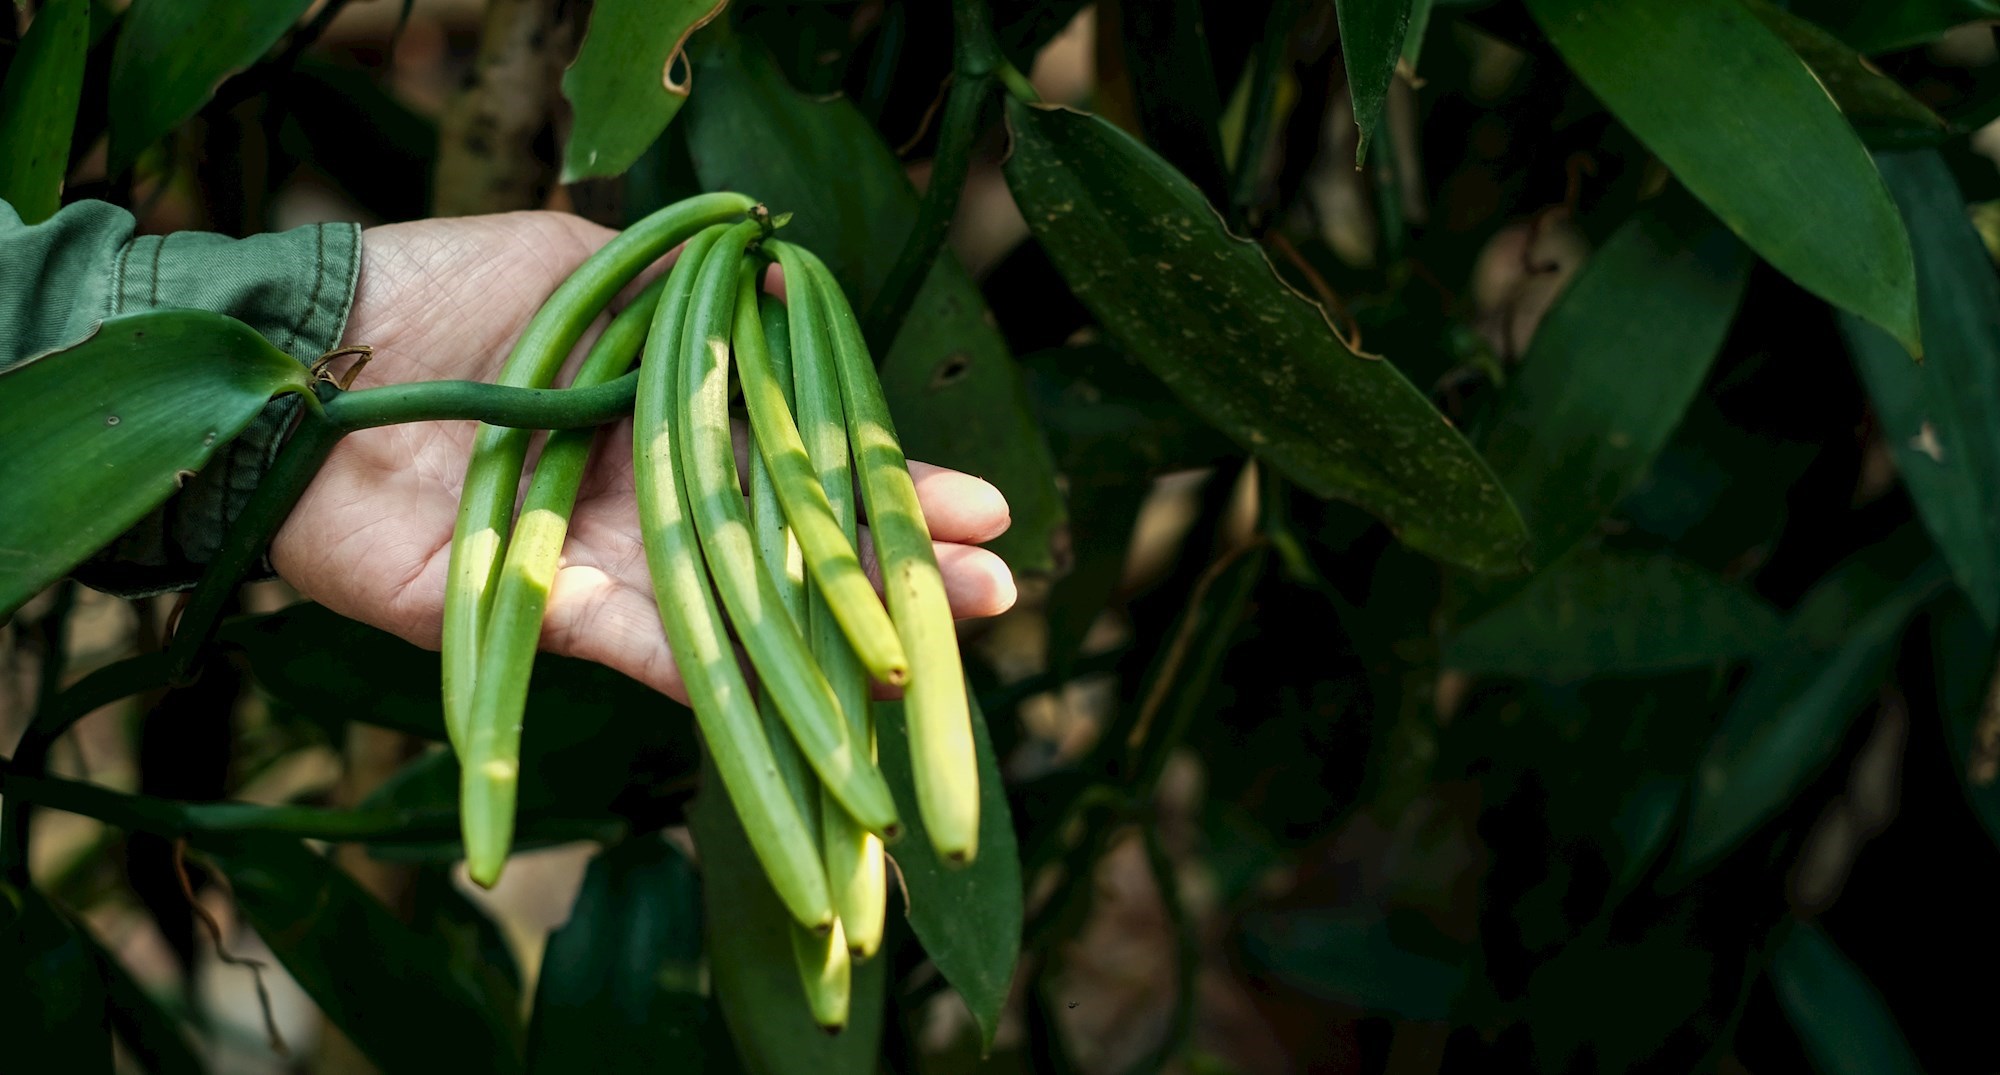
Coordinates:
x,y
959,507
597,617
976,582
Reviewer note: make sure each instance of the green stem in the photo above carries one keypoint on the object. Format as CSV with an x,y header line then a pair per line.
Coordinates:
x,y
493,404
172,819
976,62
1187,945
1260,114
1017,84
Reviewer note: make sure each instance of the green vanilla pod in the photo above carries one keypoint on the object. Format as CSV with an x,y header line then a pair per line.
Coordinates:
x,y
944,764
778,833
493,473
776,648
490,766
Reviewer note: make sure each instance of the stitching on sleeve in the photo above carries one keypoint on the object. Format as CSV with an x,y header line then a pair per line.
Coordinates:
x,y
158,249
319,282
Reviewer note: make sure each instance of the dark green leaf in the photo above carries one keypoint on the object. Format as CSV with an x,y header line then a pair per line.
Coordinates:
x,y
1962,657
953,386
38,108
171,54
1881,25
1173,87
1884,112
968,918
52,1003
480,958
1371,41
750,963
1204,311
1789,717
86,453
621,980
1941,418
1788,175
624,86
1611,370
1840,1018
389,987
1339,957
1597,613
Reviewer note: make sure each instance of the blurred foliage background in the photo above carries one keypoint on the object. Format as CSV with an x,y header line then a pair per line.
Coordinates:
x,y
1511,601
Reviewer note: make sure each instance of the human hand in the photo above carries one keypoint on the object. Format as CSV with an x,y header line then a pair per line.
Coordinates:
x,y
371,537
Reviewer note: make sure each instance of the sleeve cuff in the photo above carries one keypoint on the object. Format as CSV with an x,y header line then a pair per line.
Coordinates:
x,y
295,288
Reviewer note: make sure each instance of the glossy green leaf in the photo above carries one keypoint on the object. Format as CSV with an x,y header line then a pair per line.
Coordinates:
x,y
1881,110
1881,25
1598,613
620,986
1787,720
171,55
1372,33
951,382
1611,370
387,986
1205,313
1840,1018
100,433
1962,657
53,1015
750,965
38,108
624,87
968,918
1941,417
1788,174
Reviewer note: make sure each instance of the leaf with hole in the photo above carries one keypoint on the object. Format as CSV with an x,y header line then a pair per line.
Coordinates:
x,y
1205,312
628,81
101,432
1816,209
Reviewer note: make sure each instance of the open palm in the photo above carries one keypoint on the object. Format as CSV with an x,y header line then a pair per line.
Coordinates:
x,y
445,299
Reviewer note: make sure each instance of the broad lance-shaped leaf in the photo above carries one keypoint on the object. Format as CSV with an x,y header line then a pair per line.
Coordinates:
x,y
1841,1020
750,967
1882,25
968,918
628,81
100,433
170,56
1787,720
620,987
1371,41
1787,173
38,108
1883,112
1941,417
52,1003
1204,311
1611,370
953,386
1606,614
387,986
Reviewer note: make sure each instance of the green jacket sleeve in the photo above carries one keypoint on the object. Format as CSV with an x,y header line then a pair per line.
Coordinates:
x,y
60,277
